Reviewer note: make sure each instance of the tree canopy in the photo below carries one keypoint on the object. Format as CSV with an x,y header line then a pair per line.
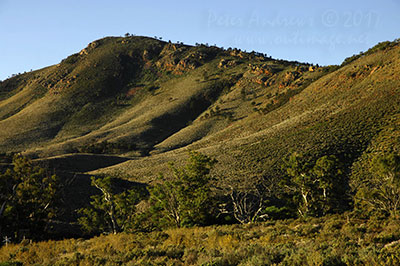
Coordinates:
x,y
381,191
185,198
110,211
29,197
317,188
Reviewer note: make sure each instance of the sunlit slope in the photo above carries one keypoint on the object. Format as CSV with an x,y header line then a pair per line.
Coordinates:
x,y
133,95
350,112
102,93
150,101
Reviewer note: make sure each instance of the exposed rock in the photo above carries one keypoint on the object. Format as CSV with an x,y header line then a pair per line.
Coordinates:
x,y
93,45
237,53
89,48
168,49
187,63
146,55
172,59
261,70
222,63
83,52
226,63
290,76
374,69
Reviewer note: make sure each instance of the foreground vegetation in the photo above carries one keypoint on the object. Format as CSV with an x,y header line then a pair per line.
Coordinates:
x,y
368,235
332,240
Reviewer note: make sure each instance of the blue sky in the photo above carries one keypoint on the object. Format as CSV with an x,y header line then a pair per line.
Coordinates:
x,y
35,34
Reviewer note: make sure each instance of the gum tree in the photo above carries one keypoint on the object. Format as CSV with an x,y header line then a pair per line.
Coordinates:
x,y
110,211
382,190
316,187
29,198
184,199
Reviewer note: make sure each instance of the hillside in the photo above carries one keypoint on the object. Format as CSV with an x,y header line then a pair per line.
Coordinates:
x,y
349,111
126,107
123,90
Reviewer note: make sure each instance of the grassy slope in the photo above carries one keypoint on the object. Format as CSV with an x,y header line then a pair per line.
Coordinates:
x,y
76,95
268,108
102,94
349,112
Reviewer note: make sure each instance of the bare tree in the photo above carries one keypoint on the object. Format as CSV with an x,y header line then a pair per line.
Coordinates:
x,y
247,204
247,195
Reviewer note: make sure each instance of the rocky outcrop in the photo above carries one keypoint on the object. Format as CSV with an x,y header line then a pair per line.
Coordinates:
x,y
238,53
89,48
176,59
261,70
225,63
291,76
187,64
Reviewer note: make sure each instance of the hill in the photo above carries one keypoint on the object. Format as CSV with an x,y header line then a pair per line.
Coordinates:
x,y
122,90
126,107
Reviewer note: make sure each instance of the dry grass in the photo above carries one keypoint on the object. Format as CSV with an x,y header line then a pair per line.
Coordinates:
x,y
336,239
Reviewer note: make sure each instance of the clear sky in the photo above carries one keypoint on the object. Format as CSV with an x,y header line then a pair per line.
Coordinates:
x,y
38,33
